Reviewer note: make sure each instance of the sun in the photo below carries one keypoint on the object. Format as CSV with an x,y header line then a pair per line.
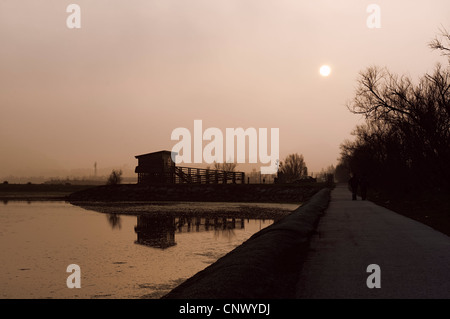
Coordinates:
x,y
325,70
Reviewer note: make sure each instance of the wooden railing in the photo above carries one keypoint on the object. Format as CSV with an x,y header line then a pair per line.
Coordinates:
x,y
206,176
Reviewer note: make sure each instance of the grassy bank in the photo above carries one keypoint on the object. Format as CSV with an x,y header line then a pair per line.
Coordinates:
x,y
262,193
430,207
30,192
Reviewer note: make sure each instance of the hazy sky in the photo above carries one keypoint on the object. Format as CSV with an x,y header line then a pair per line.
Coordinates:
x,y
138,69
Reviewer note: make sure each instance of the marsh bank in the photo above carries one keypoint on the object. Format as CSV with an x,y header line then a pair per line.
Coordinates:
x,y
262,193
266,266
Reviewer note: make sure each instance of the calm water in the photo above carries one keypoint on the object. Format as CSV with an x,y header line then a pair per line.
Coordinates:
x,y
120,256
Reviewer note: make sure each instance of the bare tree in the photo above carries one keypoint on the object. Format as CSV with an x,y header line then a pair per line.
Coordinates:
x,y
293,168
441,42
227,167
115,178
407,130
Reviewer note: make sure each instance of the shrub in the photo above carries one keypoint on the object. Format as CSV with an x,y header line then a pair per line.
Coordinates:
x,y
115,178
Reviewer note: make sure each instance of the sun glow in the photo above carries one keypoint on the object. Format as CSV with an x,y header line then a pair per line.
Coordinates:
x,y
325,70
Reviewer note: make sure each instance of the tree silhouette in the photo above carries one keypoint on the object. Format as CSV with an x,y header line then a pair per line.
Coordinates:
x,y
293,168
227,167
405,139
442,42
115,177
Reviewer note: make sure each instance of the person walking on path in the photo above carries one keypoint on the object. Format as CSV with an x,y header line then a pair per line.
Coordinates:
x,y
363,187
353,183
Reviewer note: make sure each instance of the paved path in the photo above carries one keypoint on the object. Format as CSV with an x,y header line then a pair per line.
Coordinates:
x,y
414,259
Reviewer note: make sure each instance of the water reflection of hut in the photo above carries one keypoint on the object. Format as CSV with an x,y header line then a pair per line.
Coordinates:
x,y
187,224
156,232
160,231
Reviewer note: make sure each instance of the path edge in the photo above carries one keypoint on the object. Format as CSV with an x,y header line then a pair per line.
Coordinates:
x,y
266,266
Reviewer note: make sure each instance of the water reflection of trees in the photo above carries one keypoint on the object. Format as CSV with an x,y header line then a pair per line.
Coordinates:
x,y
160,232
114,220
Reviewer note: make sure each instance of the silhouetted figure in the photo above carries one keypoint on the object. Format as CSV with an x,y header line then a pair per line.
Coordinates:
x,y
353,183
363,187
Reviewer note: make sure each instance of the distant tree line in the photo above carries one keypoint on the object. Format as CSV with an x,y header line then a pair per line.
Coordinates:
x,y
225,166
404,143
325,173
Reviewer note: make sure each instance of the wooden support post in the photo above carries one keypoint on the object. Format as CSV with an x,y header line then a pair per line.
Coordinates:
x,y
198,177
